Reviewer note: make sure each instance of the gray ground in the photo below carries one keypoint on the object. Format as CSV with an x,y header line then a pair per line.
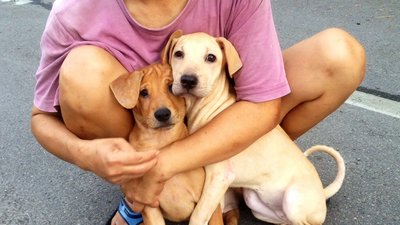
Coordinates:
x,y
37,188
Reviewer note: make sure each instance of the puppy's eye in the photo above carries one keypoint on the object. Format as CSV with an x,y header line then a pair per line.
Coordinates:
x,y
211,58
170,88
179,54
144,93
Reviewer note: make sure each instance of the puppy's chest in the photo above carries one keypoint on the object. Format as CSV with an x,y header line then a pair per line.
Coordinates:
x,y
203,111
145,141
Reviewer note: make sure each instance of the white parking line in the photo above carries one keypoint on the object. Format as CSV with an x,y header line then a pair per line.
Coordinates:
x,y
18,2
375,103
22,2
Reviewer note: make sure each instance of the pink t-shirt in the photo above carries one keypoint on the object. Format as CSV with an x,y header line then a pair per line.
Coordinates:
x,y
108,24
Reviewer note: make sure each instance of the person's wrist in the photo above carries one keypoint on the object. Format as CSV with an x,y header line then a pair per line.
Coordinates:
x,y
81,153
162,171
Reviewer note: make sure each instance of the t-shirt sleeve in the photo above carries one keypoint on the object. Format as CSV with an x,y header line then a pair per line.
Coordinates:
x,y
55,45
252,32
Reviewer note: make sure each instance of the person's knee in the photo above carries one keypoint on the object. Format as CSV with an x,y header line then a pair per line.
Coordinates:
x,y
89,66
344,55
85,99
83,77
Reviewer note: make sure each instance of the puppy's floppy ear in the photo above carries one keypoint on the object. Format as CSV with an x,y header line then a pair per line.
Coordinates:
x,y
167,51
126,88
231,55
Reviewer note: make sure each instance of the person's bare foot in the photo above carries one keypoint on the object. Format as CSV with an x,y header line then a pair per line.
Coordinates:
x,y
231,217
118,220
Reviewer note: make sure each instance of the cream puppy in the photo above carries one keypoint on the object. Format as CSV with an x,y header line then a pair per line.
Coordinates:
x,y
280,185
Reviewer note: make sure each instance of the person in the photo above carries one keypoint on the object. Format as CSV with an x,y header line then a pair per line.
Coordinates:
x,y
87,44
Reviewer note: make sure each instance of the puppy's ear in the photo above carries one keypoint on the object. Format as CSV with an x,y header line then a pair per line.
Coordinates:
x,y
126,88
167,51
231,55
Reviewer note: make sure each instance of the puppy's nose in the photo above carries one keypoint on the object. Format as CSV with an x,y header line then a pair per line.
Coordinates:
x,y
189,81
162,114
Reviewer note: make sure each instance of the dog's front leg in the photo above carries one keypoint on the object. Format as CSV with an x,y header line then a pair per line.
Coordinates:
x,y
219,176
152,216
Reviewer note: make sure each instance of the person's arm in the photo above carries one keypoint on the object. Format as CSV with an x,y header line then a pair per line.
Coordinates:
x,y
229,133
226,135
113,159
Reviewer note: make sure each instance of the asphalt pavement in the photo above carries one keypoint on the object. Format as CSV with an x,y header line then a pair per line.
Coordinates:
x,y
38,188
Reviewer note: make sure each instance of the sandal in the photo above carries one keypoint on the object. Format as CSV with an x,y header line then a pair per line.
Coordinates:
x,y
130,217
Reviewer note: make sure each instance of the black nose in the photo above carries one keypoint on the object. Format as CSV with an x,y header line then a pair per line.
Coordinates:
x,y
162,115
189,81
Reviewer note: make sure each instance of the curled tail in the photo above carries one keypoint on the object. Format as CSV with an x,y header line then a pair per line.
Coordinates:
x,y
334,187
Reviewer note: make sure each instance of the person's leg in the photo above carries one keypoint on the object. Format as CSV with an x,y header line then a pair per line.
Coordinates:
x,y
88,106
323,71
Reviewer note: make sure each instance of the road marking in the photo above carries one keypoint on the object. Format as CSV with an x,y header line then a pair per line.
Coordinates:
x,y
375,104
18,2
22,2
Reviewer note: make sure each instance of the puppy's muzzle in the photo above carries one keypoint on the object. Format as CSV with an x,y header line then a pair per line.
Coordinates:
x,y
163,114
189,81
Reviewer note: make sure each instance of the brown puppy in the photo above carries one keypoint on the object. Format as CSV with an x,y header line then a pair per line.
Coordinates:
x,y
280,185
159,121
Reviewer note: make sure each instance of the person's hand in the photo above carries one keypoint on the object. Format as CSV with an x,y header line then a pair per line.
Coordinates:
x,y
144,190
115,160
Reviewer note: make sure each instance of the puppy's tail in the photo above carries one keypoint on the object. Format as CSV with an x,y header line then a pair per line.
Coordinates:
x,y
334,187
